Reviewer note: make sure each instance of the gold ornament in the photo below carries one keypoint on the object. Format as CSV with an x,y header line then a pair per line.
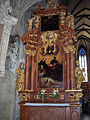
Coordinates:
x,y
70,48
30,22
70,21
30,52
24,96
78,96
62,14
20,78
62,96
37,22
51,3
79,75
75,96
72,96
49,38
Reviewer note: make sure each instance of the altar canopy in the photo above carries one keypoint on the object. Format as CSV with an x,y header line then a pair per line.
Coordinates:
x,y
50,74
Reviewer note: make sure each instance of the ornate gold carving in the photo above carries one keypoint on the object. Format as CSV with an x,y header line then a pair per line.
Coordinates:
x,y
49,38
24,96
70,48
29,90
63,14
66,50
30,52
38,97
51,3
74,38
75,96
62,96
78,96
79,75
20,78
30,22
37,22
73,90
70,21
75,105
72,96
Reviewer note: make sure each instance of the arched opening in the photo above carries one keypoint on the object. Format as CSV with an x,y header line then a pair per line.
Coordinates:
x,y
83,61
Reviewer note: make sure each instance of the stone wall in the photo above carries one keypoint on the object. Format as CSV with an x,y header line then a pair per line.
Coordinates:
x,y
7,96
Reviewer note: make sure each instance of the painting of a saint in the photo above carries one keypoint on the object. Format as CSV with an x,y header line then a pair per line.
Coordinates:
x,y
50,75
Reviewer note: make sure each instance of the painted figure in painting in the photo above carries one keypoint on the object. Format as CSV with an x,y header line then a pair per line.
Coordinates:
x,y
51,74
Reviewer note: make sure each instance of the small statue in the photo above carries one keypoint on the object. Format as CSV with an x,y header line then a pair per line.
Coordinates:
x,y
51,3
62,14
37,21
70,21
20,78
79,75
30,23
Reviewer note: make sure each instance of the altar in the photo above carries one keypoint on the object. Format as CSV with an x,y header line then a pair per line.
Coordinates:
x,y
49,84
40,111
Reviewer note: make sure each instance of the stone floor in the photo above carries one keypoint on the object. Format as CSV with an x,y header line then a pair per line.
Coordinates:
x,y
85,117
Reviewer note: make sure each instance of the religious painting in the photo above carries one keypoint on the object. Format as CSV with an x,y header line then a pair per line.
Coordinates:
x,y
50,69
50,23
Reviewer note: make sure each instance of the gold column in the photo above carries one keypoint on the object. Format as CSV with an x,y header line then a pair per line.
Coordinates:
x,y
72,70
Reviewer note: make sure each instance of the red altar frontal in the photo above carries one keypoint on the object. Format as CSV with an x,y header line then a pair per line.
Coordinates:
x,y
47,86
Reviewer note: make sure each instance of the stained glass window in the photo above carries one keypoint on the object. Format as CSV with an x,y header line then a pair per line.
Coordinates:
x,y
83,62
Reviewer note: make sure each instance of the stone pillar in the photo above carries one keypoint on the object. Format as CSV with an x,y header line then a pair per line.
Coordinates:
x,y
27,72
72,70
8,22
68,71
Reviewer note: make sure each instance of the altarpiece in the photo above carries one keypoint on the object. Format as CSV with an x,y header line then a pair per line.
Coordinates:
x,y
49,74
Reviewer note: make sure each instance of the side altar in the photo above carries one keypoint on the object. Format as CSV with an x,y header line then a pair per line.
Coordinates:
x,y
50,84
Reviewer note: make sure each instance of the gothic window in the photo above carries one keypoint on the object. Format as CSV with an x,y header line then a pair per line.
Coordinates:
x,y
83,62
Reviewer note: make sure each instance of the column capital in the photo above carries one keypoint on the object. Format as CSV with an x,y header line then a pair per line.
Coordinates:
x,y
9,20
70,48
30,52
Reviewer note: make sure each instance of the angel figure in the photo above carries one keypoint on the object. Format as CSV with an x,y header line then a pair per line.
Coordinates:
x,y
79,75
30,23
20,78
37,21
70,21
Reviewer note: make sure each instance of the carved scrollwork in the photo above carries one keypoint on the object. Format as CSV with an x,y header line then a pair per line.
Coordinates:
x,y
36,20
75,96
24,96
49,38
